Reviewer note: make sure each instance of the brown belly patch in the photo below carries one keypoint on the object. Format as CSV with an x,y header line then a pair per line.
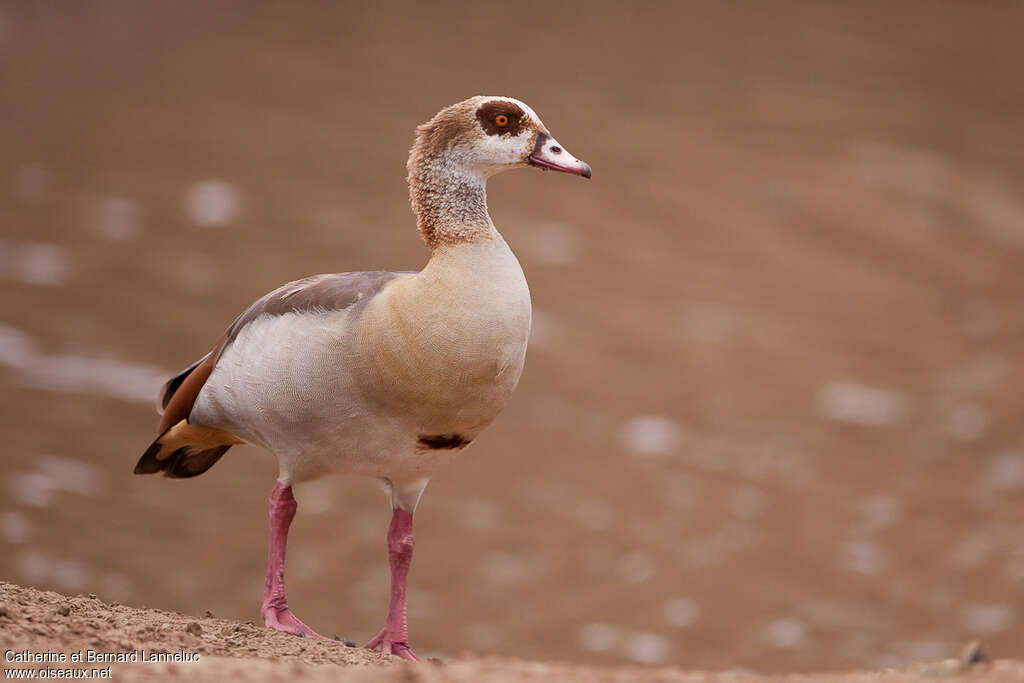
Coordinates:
x,y
442,441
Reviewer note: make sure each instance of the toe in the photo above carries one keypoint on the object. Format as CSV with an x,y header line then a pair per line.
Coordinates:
x,y
286,622
404,651
376,641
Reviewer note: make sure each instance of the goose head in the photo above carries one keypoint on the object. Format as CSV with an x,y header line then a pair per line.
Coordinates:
x,y
485,135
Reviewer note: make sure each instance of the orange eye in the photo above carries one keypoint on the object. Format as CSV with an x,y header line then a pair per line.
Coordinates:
x,y
501,120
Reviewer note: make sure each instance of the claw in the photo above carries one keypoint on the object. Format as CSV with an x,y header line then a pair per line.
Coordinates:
x,y
282,619
383,643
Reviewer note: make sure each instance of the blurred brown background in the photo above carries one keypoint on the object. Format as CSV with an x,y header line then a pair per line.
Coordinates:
x,y
771,414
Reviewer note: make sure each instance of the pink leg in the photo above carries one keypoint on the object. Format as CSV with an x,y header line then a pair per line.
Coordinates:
x,y
275,606
394,637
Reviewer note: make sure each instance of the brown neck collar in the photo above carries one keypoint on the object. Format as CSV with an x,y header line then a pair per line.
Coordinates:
x,y
450,202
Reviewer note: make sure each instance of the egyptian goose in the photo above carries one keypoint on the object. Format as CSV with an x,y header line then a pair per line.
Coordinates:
x,y
387,375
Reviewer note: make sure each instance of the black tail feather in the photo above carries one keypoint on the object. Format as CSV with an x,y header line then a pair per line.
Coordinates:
x,y
171,386
181,462
148,463
188,462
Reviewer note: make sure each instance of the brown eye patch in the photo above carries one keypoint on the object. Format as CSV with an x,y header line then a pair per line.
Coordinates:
x,y
498,117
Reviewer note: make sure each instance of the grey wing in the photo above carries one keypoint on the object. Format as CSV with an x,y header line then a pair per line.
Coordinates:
x,y
333,292
330,292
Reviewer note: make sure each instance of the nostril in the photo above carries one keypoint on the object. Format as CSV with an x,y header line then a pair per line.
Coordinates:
x,y
556,150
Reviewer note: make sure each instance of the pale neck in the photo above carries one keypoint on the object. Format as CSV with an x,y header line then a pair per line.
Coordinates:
x,y
450,202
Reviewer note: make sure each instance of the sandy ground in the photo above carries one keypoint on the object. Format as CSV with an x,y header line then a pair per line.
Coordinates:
x,y
771,413
47,622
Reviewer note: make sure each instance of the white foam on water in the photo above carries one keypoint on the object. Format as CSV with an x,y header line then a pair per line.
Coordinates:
x,y
544,328
1014,567
648,648
1005,471
681,612
996,211
972,551
72,373
785,633
598,637
864,556
16,347
987,618
32,489
33,566
68,574
967,421
52,475
197,272
636,567
73,476
710,550
506,568
887,660
990,204
115,586
118,219
879,512
44,264
15,528
918,172
213,203
651,434
35,263
97,376
855,403
65,573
